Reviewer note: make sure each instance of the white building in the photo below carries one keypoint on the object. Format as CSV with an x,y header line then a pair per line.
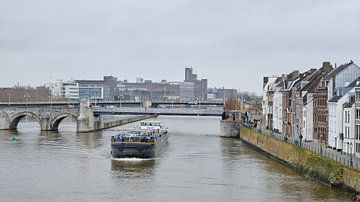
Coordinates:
x,y
278,109
335,107
308,117
351,124
340,77
67,90
349,127
269,84
337,92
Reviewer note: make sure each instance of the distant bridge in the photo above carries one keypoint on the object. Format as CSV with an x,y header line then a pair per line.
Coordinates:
x,y
119,103
159,111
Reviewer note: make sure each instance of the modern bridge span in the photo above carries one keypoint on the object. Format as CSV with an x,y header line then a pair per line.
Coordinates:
x,y
118,103
159,111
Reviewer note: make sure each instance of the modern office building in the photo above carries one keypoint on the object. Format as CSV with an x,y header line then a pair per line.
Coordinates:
x,y
200,86
65,90
104,90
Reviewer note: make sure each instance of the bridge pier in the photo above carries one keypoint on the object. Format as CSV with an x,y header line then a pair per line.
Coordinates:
x,y
86,121
45,124
4,124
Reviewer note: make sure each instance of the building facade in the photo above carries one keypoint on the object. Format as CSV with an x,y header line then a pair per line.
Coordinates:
x,y
200,86
65,90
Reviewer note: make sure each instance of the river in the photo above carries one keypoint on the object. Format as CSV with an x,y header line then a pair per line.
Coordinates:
x,y
196,166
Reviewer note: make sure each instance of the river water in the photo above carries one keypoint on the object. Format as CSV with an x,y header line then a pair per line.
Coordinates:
x,y
196,166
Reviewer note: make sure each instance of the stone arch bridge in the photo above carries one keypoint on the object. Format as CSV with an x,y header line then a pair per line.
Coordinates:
x,y
48,118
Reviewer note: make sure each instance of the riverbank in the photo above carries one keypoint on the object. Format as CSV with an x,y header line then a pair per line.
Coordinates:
x,y
316,166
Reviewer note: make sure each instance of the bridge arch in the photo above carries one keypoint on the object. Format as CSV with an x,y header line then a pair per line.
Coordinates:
x,y
16,118
55,122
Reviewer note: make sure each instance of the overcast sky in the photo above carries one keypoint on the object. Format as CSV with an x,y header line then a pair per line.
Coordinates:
x,y
233,43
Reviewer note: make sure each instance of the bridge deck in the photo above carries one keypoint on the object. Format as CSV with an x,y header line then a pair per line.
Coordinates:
x,y
159,111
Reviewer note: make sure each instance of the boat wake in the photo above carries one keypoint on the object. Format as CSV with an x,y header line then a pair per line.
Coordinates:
x,y
133,159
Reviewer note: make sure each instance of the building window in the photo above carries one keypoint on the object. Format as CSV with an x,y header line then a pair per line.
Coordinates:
x,y
357,132
346,116
357,97
345,132
357,113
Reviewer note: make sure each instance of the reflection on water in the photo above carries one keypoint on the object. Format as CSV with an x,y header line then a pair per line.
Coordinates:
x,y
133,167
50,137
90,140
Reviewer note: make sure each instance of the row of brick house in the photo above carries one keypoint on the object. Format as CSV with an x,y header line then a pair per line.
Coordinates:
x,y
320,105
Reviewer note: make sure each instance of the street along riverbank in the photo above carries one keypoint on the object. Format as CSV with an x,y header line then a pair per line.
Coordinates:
x,y
321,168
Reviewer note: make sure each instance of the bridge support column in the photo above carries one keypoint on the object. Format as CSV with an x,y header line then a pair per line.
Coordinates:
x,y
45,124
4,122
87,122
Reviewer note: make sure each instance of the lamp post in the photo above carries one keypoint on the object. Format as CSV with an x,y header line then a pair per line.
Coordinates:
x,y
321,137
199,102
351,162
120,100
50,100
27,99
9,100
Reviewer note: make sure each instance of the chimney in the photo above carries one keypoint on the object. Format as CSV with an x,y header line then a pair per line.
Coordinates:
x,y
326,64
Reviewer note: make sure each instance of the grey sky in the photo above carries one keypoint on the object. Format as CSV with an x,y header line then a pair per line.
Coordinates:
x,y
233,43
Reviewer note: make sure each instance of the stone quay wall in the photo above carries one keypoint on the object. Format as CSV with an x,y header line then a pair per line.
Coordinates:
x,y
229,128
321,168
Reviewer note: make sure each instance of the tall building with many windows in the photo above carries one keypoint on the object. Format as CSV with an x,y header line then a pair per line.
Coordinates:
x,y
104,90
200,86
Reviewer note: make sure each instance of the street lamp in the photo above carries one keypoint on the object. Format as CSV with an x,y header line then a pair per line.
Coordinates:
x,y
120,100
198,102
321,137
27,98
50,100
351,162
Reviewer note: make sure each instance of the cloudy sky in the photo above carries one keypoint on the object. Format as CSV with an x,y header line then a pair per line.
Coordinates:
x,y
233,43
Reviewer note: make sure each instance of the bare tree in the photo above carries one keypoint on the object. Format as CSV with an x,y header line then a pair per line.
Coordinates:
x,y
232,104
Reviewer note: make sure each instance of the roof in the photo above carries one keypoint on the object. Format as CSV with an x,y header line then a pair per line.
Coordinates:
x,y
278,79
337,70
356,82
348,104
316,78
89,81
335,98
280,84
